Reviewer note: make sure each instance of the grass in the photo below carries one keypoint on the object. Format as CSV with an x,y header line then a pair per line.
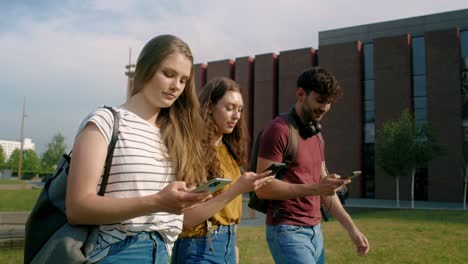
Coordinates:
x,y
395,236
252,246
11,256
18,200
402,236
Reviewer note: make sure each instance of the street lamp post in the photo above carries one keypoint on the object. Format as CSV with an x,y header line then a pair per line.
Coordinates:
x,y
130,73
464,173
464,91
20,161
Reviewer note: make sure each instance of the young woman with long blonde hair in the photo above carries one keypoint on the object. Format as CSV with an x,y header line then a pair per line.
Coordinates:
x,y
157,155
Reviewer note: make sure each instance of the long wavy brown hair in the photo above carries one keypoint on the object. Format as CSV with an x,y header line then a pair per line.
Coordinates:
x,y
237,142
181,124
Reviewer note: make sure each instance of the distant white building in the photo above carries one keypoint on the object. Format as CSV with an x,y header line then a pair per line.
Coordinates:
x,y
9,146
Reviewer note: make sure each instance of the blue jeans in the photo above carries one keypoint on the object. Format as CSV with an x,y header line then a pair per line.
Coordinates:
x,y
296,244
144,247
198,249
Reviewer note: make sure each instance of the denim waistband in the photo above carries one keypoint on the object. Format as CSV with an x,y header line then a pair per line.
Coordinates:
x,y
222,229
283,226
105,241
145,235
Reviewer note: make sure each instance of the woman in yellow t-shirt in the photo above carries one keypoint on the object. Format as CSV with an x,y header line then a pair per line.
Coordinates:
x,y
209,234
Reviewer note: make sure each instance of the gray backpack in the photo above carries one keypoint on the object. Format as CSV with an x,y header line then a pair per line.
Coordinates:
x,y
49,238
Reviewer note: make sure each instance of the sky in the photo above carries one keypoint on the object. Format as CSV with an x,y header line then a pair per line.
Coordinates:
x,y
67,58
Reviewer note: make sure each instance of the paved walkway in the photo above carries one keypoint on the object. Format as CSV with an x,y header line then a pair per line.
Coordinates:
x,y
404,204
12,228
22,186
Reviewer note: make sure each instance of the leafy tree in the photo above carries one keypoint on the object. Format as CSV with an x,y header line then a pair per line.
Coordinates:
x,y
402,146
30,161
54,151
2,158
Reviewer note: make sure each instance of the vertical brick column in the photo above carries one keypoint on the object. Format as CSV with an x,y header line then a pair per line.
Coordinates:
x,y
265,91
244,75
342,126
200,76
290,65
393,94
444,110
224,68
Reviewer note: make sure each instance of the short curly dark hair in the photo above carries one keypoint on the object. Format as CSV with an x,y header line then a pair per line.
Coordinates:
x,y
321,81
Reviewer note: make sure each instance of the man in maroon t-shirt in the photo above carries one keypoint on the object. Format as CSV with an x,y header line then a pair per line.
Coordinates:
x,y
293,231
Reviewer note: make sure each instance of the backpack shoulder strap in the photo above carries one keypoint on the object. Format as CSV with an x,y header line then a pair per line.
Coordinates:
x,y
233,154
319,135
254,152
322,148
293,139
110,151
230,150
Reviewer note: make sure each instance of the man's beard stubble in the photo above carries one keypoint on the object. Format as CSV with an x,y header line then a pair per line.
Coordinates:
x,y
308,114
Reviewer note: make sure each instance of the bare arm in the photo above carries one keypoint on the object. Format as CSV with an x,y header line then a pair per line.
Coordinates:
x,y
333,205
84,206
280,190
247,182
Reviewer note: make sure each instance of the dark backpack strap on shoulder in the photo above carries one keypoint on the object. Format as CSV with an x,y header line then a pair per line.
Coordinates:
x,y
110,151
230,150
322,142
290,153
322,148
254,152
293,141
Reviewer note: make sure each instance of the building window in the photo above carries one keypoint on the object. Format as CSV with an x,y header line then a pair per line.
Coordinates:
x,y
464,89
418,63
464,43
418,59
368,119
418,50
368,85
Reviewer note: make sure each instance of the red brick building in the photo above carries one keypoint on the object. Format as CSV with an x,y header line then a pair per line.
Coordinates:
x,y
417,63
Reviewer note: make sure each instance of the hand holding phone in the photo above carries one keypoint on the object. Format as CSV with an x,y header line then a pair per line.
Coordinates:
x,y
354,175
275,167
212,185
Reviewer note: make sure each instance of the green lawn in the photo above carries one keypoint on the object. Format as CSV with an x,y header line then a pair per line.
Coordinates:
x,y
11,256
252,246
18,200
396,236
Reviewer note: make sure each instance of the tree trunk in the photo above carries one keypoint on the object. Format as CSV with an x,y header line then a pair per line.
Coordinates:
x,y
397,192
412,187
464,195
466,181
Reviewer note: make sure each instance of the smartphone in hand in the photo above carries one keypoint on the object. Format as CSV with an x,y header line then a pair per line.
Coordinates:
x,y
275,167
354,175
212,185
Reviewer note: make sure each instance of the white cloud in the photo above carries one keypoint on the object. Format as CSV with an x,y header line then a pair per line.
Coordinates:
x,y
120,6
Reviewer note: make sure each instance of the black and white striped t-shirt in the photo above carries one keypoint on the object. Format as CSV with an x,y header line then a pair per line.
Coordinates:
x,y
140,166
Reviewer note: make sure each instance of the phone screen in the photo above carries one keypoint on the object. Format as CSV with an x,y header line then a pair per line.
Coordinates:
x,y
354,175
212,185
